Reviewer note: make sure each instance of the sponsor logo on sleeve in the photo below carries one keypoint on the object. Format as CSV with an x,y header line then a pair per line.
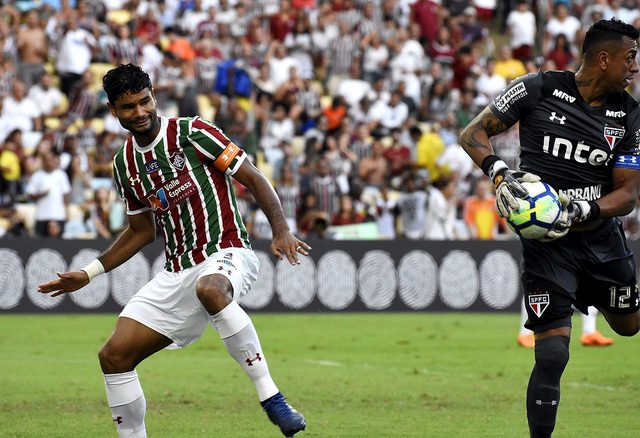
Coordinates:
x,y
615,114
504,101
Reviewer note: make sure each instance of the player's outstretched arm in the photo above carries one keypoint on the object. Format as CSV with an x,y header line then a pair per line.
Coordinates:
x,y
284,243
139,233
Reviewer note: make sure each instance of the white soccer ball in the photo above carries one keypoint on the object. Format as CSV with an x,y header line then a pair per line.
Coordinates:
x,y
537,213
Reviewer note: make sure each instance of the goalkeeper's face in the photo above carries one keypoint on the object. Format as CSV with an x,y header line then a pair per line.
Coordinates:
x,y
137,113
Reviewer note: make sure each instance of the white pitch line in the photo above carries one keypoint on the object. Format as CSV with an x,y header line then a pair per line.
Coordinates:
x,y
328,363
589,385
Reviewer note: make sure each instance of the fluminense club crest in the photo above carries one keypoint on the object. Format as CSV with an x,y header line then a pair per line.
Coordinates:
x,y
177,160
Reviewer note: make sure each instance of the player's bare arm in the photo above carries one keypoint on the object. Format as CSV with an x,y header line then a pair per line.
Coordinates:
x,y
474,139
139,233
623,199
283,241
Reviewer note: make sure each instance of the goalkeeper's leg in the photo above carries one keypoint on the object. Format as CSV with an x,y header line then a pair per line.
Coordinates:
x,y
543,393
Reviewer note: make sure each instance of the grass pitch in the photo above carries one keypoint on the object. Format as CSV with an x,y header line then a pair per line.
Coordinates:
x,y
352,375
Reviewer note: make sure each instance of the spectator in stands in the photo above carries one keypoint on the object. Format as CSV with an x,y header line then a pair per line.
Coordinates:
x,y
50,188
19,112
428,14
283,22
353,88
280,64
398,157
440,221
278,128
10,169
412,209
288,190
344,51
48,98
82,99
507,66
480,213
441,49
373,170
127,48
325,187
308,100
33,49
521,25
79,182
489,83
75,53
298,43
429,148
439,101
562,54
375,57
346,215
561,22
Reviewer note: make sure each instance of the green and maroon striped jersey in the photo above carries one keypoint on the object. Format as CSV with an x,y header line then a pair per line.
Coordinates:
x,y
194,203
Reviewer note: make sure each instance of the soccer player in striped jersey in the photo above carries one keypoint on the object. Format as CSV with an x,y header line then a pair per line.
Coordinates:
x,y
178,171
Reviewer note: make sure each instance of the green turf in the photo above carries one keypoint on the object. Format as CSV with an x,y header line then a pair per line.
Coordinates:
x,y
352,375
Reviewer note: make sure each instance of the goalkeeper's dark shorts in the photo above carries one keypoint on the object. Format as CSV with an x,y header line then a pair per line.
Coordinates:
x,y
590,268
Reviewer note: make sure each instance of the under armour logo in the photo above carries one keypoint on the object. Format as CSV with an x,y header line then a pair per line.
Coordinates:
x,y
135,180
553,118
117,420
251,361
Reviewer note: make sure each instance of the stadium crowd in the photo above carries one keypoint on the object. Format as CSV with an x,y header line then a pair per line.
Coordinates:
x,y
352,108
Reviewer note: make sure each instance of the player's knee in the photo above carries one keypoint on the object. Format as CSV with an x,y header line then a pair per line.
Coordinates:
x,y
552,353
114,360
629,325
214,292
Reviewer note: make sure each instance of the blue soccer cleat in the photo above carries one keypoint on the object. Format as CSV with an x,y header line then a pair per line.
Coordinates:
x,y
283,415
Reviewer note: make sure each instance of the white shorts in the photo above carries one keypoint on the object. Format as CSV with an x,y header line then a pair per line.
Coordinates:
x,y
169,305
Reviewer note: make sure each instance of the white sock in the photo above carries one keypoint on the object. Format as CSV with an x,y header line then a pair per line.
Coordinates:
x,y
589,321
241,340
523,320
127,403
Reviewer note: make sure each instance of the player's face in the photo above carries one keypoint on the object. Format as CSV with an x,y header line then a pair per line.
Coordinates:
x,y
624,64
137,113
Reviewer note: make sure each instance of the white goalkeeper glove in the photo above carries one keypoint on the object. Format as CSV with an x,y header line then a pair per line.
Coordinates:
x,y
507,184
573,212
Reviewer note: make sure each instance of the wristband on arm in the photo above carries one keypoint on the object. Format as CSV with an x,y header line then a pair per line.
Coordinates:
x,y
94,269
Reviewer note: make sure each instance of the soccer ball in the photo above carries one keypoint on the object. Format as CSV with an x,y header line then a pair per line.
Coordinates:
x,y
537,213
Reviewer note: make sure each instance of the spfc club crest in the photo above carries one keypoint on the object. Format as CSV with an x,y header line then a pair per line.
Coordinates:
x,y
539,303
612,135
177,160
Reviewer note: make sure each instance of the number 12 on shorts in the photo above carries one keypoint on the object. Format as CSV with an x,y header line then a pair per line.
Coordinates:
x,y
620,296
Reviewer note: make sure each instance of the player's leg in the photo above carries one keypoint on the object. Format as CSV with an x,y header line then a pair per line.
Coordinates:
x,y
525,336
129,344
590,335
237,331
549,316
221,282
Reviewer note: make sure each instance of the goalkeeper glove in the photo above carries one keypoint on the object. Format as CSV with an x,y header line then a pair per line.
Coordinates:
x,y
507,184
573,212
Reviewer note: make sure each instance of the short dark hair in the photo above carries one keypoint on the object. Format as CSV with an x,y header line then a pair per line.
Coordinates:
x,y
604,31
125,79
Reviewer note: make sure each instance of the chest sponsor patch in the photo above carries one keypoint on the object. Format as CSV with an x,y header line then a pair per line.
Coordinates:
x,y
612,135
151,167
172,193
539,303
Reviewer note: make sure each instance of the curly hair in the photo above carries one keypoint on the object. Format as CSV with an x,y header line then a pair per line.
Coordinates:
x,y
605,31
125,79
